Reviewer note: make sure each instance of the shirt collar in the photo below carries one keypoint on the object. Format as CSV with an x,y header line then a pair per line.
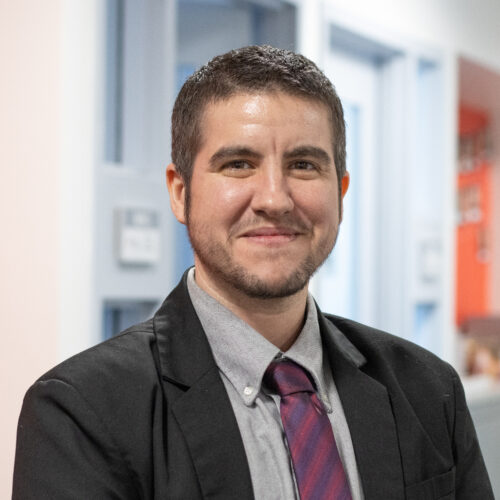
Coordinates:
x,y
243,355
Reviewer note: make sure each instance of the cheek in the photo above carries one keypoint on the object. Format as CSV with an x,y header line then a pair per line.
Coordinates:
x,y
233,201
233,192
220,199
320,206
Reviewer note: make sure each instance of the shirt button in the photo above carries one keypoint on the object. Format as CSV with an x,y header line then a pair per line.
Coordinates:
x,y
247,391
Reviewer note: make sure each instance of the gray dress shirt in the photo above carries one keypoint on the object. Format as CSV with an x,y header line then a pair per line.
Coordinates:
x,y
242,356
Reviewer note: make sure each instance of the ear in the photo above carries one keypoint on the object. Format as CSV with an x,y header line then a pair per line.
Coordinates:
x,y
177,192
344,186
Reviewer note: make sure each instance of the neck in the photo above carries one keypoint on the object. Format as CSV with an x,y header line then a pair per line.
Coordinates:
x,y
279,320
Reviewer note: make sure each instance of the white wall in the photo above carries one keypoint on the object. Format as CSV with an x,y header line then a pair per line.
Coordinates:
x,y
466,27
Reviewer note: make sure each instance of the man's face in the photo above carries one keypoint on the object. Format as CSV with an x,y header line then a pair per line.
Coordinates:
x,y
264,210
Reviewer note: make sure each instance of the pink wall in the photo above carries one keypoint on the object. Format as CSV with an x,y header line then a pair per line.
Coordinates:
x,y
29,162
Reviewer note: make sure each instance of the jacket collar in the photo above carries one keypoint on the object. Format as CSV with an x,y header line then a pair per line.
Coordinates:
x,y
335,340
185,354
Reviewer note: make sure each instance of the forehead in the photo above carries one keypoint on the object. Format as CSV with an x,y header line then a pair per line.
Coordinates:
x,y
245,115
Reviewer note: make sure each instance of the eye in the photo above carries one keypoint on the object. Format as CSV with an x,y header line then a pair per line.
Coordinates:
x,y
237,165
237,168
303,165
304,169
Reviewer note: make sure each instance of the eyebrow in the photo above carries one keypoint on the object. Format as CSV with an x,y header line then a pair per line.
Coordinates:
x,y
244,151
310,152
233,151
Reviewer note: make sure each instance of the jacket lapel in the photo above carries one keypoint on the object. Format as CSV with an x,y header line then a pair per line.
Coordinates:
x,y
368,410
202,410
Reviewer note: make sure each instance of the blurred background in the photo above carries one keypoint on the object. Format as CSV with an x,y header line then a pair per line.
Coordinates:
x,y
89,243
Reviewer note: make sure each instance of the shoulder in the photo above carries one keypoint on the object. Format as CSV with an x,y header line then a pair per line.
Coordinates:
x,y
424,391
429,408
396,359
118,376
126,356
92,413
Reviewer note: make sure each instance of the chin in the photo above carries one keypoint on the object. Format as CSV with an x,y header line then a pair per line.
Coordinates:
x,y
266,286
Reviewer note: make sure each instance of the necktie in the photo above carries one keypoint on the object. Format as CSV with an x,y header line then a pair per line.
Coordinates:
x,y
318,469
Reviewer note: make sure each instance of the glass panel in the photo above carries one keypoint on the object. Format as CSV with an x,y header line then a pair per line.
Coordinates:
x,y
119,315
136,114
114,81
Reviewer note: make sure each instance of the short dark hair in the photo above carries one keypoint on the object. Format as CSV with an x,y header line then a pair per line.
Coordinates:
x,y
248,70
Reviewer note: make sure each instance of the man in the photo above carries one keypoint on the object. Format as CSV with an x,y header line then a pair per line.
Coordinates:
x,y
239,387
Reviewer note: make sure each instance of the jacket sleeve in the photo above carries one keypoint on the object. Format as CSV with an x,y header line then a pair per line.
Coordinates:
x,y
472,479
64,450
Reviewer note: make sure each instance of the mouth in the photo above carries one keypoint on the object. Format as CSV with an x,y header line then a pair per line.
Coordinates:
x,y
271,235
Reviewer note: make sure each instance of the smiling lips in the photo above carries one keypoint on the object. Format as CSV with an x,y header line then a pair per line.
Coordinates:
x,y
271,235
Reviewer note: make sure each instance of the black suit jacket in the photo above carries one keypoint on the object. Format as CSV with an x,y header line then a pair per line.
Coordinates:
x,y
146,415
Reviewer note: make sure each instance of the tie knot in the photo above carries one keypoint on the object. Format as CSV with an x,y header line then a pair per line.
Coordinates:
x,y
287,377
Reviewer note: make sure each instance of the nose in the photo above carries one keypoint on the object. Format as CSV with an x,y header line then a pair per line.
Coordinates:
x,y
272,195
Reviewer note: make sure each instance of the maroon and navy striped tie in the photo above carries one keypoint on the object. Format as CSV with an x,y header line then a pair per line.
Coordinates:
x,y
318,469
